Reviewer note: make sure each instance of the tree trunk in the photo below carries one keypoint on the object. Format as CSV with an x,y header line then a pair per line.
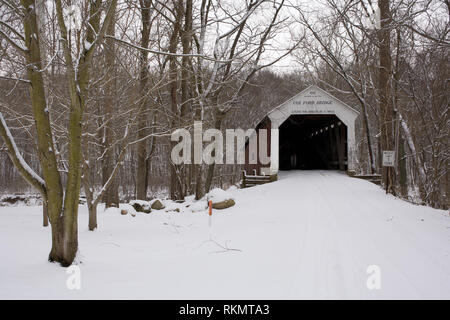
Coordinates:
x,y
384,89
199,193
186,36
368,138
63,220
402,167
44,213
447,188
419,164
141,174
111,196
78,76
90,201
176,188
219,115
186,114
92,208
47,157
46,150
57,251
72,195
70,236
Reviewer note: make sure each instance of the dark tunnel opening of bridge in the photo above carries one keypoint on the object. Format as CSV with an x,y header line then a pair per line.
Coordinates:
x,y
312,142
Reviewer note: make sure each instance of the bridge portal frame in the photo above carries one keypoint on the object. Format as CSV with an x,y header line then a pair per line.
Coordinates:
x,y
311,101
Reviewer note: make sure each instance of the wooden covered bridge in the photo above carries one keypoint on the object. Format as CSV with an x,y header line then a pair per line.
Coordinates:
x,y
312,130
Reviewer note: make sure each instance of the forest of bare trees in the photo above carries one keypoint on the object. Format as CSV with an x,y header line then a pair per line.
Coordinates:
x,y
91,90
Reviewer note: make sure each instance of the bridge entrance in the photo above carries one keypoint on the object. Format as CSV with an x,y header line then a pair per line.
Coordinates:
x,y
311,130
309,142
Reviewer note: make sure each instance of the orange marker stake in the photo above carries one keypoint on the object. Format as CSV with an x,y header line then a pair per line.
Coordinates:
x,y
210,213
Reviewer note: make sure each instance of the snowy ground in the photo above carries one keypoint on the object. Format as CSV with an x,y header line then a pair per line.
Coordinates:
x,y
309,235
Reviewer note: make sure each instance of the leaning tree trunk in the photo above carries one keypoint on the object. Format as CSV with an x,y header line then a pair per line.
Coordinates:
x,y
46,151
403,181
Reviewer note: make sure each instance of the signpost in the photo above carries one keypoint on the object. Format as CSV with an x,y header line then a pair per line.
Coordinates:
x,y
388,158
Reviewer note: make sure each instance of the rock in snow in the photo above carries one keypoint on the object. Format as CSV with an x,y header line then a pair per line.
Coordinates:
x,y
223,204
157,205
141,206
221,199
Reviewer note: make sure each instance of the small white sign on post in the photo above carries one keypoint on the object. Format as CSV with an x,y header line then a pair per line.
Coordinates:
x,y
388,158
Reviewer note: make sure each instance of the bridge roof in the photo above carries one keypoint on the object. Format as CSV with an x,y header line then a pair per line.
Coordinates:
x,y
312,100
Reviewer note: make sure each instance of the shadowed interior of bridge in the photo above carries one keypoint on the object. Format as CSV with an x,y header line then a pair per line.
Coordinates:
x,y
313,142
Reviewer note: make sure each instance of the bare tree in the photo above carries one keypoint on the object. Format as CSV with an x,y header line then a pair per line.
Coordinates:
x,y
62,203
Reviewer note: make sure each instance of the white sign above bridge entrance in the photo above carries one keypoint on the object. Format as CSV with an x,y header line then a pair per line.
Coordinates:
x,y
312,102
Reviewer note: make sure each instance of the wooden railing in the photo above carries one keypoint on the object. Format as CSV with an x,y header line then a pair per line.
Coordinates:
x,y
253,180
374,178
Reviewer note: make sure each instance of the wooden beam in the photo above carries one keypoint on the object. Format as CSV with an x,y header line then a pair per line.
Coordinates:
x,y
339,148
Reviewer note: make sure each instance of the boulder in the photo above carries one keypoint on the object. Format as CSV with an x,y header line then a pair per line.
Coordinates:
x,y
157,205
223,204
140,206
220,199
20,200
123,212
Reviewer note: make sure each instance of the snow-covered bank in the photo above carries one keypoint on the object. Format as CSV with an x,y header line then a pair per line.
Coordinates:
x,y
309,235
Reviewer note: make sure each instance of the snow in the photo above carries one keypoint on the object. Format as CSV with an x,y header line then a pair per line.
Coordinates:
x,y
123,206
140,202
171,206
87,45
198,206
218,195
312,234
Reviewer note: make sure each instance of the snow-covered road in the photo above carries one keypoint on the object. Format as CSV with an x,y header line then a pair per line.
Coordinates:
x,y
312,234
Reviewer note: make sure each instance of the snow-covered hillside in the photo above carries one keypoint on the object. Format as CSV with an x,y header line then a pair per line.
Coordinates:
x,y
308,235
